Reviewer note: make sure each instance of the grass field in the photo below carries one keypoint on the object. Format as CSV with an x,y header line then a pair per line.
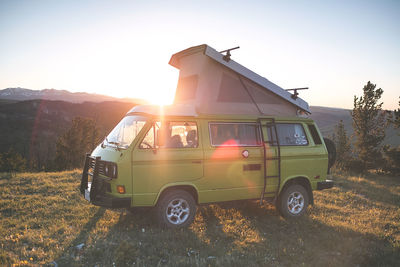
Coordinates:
x,y
44,219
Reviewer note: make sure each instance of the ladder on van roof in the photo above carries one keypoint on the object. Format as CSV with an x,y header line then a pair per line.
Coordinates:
x,y
273,140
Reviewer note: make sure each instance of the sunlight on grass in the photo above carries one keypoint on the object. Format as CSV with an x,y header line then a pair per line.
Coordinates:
x,y
228,223
236,226
362,205
44,218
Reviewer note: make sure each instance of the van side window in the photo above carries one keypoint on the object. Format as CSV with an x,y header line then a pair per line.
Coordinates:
x,y
169,134
234,134
290,134
314,134
180,134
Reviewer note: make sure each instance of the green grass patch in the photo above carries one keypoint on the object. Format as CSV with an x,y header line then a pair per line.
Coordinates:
x,y
44,218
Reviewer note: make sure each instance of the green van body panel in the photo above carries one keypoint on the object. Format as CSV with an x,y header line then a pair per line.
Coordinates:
x,y
216,173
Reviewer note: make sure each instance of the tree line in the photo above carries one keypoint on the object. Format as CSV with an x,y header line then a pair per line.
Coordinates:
x,y
363,151
82,137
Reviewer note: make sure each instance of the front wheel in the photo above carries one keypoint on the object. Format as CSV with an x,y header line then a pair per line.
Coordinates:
x,y
293,201
176,209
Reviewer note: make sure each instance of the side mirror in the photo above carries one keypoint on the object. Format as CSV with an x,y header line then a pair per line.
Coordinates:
x,y
102,143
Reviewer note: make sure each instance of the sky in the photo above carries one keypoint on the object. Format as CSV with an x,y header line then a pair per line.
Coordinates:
x,y
122,48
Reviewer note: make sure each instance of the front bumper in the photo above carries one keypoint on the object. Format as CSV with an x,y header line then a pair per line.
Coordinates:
x,y
106,201
95,190
325,185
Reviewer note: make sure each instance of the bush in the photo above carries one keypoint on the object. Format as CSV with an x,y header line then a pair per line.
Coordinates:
x,y
12,162
355,166
391,160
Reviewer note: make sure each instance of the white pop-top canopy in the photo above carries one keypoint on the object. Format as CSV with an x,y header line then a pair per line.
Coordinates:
x,y
214,85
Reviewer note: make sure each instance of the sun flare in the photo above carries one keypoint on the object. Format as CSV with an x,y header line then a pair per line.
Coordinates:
x,y
161,88
160,99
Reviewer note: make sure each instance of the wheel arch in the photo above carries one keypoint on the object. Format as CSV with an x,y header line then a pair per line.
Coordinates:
x,y
191,189
303,181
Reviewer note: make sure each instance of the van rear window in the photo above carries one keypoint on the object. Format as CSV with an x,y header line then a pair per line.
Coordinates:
x,y
290,134
234,134
314,134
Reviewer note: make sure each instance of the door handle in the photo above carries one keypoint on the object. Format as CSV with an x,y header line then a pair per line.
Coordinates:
x,y
196,161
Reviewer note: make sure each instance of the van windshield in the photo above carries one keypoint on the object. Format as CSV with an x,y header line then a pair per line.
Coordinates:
x,y
125,132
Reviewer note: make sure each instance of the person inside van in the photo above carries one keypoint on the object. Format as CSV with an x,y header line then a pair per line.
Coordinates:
x,y
191,138
229,138
174,142
216,137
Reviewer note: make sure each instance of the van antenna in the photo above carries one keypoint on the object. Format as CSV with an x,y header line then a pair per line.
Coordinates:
x,y
295,93
227,56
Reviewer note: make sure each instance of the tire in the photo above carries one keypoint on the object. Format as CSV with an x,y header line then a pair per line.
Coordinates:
x,y
293,201
176,209
330,146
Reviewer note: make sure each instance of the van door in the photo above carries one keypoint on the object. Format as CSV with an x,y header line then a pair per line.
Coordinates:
x,y
272,158
297,157
232,161
169,153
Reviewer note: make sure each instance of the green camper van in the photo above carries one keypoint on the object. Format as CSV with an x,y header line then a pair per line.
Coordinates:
x,y
174,159
231,134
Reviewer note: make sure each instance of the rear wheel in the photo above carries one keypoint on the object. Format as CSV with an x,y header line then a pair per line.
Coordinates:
x,y
176,209
293,201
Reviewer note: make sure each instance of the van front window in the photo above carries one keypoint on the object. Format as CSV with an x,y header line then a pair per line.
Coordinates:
x,y
125,132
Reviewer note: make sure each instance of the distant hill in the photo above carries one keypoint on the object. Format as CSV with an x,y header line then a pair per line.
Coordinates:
x,y
32,127
327,118
22,94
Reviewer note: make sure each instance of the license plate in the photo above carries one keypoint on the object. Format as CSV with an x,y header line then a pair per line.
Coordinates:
x,y
87,192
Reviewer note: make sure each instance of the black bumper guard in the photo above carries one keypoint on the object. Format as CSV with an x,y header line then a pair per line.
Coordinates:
x,y
98,194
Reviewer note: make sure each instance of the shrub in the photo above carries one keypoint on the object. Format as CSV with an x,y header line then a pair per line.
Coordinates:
x,y
355,165
12,162
391,160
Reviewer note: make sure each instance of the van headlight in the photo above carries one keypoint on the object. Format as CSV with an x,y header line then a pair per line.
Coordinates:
x,y
110,169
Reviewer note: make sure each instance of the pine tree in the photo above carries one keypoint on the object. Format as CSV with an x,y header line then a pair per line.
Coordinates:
x,y
1,162
71,147
369,126
392,154
12,162
396,121
343,147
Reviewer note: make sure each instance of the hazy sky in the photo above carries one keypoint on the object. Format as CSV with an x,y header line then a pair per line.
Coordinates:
x,y
122,48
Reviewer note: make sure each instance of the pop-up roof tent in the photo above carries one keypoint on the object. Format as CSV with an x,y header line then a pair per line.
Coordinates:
x,y
214,85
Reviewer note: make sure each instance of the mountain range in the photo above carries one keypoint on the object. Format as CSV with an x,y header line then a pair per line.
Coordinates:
x,y
21,94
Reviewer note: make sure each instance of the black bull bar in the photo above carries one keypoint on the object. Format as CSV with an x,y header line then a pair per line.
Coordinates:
x,y
97,196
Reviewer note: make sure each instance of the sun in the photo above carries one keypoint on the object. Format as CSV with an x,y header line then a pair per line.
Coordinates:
x,y
161,98
162,90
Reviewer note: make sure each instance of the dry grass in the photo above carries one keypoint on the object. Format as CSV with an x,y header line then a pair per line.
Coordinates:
x,y
44,218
